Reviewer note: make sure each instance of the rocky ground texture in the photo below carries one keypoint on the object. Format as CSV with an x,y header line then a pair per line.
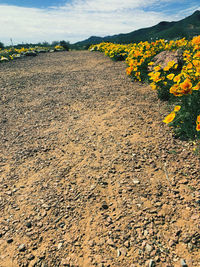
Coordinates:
x,y
89,174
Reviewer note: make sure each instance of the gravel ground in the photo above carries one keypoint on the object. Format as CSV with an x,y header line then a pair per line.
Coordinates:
x,y
89,175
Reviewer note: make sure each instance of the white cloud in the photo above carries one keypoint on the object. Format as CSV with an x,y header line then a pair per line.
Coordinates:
x,y
77,20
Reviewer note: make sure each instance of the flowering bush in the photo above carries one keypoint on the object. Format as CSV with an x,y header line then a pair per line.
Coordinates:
x,y
115,52
14,53
180,82
162,79
186,87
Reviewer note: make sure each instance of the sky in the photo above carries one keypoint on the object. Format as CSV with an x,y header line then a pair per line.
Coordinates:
x,y
26,21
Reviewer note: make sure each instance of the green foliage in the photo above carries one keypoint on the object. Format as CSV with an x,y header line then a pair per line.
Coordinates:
x,y
54,43
184,123
65,45
174,79
188,27
1,45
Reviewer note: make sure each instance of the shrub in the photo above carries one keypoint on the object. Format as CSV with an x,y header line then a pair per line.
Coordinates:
x,y
65,45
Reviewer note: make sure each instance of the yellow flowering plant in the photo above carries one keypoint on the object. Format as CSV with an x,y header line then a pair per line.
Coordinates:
x,y
179,82
161,79
14,53
116,52
186,88
140,58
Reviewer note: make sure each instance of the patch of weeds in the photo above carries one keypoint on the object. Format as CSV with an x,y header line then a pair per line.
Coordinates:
x,y
184,174
173,152
196,149
191,188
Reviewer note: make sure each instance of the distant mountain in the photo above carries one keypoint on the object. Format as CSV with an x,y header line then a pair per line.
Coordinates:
x,y
187,27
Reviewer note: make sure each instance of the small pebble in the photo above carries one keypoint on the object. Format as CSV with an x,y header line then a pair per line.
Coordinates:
x,y
22,248
28,224
118,253
183,263
31,257
104,206
123,251
127,244
65,262
152,263
135,181
60,245
10,240
148,248
110,242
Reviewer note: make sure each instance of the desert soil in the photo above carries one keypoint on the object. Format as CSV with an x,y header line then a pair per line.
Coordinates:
x,y
89,174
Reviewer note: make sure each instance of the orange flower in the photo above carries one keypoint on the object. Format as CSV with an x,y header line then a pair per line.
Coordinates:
x,y
196,40
177,78
170,76
197,87
157,68
175,66
153,86
169,118
186,86
170,64
129,70
198,119
197,54
196,63
176,90
177,108
198,127
189,66
166,68
150,63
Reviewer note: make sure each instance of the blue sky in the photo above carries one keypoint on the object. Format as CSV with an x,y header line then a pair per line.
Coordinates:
x,y
36,3
74,20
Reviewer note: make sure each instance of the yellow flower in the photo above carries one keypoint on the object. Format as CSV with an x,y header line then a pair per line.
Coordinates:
x,y
196,40
170,76
196,63
198,119
157,68
176,90
150,63
170,64
198,127
177,78
169,118
189,66
166,68
153,86
186,86
137,73
151,74
197,74
155,76
197,54
175,66
129,70
197,87
177,108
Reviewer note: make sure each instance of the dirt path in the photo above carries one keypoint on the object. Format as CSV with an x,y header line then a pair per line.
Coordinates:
x,y
89,175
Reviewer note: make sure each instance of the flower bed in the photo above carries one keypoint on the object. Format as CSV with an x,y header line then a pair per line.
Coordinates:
x,y
177,81
14,53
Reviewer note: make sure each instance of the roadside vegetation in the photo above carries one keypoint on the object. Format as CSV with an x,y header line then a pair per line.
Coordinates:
x,y
178,81
12,52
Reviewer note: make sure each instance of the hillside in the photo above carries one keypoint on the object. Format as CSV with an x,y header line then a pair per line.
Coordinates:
x,y
187,27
